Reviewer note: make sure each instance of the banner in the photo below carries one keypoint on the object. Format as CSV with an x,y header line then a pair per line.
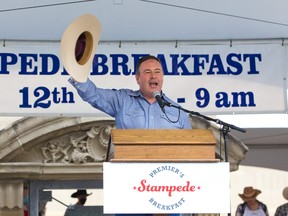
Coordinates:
x,y
166,187
214,78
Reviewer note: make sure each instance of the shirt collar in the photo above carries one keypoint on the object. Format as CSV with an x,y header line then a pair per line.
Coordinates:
x,y
137,93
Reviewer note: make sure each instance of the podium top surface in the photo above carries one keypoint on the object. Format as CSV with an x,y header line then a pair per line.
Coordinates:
x,y
162,136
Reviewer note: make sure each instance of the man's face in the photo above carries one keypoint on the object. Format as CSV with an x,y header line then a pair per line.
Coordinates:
x,y
251,202
82,199
150,78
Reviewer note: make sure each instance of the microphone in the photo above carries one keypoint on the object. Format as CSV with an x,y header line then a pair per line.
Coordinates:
x,y
159,100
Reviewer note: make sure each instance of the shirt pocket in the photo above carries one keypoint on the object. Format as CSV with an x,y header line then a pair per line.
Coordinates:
x,y
134,119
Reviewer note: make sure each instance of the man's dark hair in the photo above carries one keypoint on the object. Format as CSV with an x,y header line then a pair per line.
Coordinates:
x,y
143,59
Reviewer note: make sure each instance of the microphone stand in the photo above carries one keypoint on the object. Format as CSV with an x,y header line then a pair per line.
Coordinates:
x,y
224,127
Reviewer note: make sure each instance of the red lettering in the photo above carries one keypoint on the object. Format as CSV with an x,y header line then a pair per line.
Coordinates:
x,y
168,188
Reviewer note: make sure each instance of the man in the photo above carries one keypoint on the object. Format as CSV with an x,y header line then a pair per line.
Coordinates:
x,y
81,195
282,210
136,109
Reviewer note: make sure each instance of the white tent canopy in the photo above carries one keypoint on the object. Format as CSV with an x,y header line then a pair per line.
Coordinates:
x,y
148,20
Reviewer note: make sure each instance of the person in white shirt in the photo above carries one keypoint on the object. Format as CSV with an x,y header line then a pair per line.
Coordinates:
x,y
251,206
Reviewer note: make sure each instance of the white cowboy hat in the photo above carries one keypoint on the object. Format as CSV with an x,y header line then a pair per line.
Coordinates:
x,y
78,45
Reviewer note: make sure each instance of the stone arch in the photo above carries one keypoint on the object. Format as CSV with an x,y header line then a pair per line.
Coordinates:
x,y
20,141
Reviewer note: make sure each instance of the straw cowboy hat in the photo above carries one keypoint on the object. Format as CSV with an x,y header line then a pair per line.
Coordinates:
x,y
285,193
80,192
249,193
78,44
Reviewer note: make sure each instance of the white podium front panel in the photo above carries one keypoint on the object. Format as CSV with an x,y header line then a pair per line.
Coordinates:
x,y
166,187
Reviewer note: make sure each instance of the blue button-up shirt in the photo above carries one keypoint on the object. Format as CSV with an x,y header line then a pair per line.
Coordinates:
x,y
130,109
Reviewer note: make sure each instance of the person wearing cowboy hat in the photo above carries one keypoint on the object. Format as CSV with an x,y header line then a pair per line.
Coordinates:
x,y
251,205
282,210
81,195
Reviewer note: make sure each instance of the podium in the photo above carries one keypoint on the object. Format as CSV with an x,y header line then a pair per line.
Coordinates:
x,y
163,145
164,172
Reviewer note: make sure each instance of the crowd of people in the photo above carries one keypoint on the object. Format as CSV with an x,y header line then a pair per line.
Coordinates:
x,y
251,206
